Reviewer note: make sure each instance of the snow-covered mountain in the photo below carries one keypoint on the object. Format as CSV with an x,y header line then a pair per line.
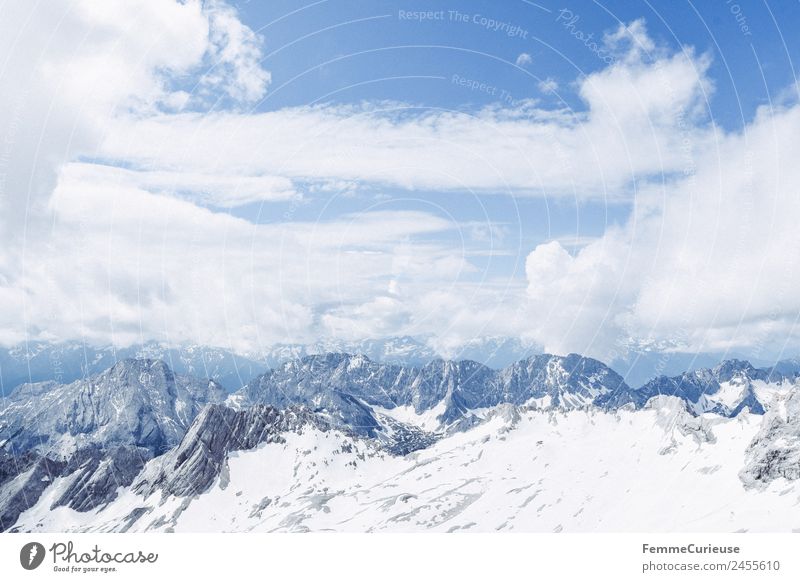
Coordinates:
x,y
725,389
99,431
774,452
342,442
521,469
398,350
494,352
350,389
69,361
136,402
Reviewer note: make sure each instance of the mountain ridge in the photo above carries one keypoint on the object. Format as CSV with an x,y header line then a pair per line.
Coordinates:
x,y
140,428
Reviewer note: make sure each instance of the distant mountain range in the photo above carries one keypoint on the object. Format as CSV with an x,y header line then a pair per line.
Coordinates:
x,y
351,388
135,402
138,435
68,361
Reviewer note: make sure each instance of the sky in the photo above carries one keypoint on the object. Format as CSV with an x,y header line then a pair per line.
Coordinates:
x,y
606,178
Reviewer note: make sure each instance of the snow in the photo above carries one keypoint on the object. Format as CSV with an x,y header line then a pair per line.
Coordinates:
x,y
14,486
767,393
545,401
427,420
729,394
583,470
181,412
235,400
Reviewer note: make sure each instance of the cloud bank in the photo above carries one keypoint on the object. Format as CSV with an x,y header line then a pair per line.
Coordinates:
x,y
128,128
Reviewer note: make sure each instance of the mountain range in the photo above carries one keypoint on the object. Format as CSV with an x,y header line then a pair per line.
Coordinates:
x,y
68,361
65,362
141,447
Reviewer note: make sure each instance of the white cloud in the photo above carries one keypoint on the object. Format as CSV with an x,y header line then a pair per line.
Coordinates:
x,y
638,112
631,42
154,266
708,261
72,67
235,56
218,189
524,59
548,85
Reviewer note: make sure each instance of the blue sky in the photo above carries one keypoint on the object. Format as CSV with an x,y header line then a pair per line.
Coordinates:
x,y
341,51
349,52
603,178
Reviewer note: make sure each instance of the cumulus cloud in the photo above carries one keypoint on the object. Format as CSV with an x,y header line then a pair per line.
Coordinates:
x,y
707,262
548,85
70,68
707,259
234,56
154,266
524,59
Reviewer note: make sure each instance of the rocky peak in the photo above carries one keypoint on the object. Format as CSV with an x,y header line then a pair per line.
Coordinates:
x,y
728,369
775,450
135,402
195,463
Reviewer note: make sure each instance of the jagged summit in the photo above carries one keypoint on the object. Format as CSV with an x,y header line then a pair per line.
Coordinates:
x,y
726,389
138,402
727,369
774,453
345,386
67,362
192,466
166,438
96,433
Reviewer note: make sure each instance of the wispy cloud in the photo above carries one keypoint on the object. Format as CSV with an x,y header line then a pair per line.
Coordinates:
x,y
628,133
524,59
109,198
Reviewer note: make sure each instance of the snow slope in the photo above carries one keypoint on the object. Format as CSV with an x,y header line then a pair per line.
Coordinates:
x,y
656,469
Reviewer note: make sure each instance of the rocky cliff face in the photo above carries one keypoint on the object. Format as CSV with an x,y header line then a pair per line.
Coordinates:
x,y
155,435
135,402
346,387
774,452
67,362
193,465
23,479
94,435
726,389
